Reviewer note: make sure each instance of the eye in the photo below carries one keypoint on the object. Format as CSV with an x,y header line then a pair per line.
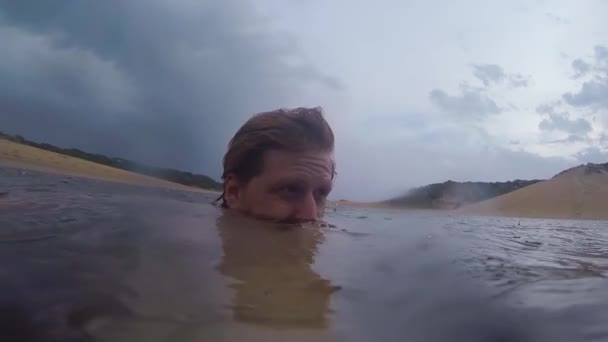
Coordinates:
x,y
322,193
291,191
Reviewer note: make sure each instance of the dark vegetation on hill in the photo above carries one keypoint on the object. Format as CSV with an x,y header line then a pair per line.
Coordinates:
x,y
451,195
177,176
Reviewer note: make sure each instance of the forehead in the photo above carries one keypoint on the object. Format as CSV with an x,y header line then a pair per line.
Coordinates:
x,y
305,165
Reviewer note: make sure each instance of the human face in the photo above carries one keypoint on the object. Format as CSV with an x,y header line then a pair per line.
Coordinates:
x,y
290,187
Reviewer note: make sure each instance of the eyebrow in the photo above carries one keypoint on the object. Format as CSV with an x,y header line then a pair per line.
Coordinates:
x,y
286,181
300,181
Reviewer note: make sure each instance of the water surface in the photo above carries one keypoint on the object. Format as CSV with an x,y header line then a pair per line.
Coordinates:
x,y
89,260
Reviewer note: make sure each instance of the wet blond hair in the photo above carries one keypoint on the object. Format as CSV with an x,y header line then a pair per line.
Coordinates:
x,y
296,130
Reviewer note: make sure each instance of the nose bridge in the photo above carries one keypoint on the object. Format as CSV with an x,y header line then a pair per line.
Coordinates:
x,y
308,208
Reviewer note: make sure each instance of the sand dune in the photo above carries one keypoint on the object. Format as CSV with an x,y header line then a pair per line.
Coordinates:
x,y
28,157
578,193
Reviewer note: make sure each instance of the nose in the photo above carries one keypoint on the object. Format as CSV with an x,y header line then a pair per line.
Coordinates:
x,y
307,209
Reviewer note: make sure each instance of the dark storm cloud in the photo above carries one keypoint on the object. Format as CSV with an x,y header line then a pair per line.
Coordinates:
x,y
471,102
594,92
161,81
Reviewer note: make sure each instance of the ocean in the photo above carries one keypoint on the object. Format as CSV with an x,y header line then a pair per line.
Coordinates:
x,y
87,260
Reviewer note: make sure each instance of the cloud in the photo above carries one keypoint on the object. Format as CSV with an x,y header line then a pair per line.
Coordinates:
x,y
168,82
594,92
561,122
547,108
457,153
61,76
581,68
471,103
601,55
390,161
592,155
158,81
490,74
475,101
519,80
571,138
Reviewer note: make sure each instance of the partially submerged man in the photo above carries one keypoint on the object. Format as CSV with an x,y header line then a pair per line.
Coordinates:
x,y
279,166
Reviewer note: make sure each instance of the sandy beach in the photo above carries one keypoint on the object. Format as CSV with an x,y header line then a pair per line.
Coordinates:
x,y
27,157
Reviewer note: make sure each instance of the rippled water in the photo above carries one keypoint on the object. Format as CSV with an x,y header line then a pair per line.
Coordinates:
x,y
87,260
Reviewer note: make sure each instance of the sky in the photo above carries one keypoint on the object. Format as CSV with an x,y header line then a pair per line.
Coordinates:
x,y
416,92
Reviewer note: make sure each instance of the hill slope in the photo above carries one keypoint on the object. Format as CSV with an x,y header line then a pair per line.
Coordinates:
x,y
450,195
580,192
22,153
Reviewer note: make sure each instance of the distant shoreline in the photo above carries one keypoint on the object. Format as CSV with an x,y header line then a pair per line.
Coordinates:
x,y
10,151
15,155
467,212
380,205
580,193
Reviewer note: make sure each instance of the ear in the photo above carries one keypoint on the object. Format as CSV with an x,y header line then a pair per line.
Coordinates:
x,y
232,192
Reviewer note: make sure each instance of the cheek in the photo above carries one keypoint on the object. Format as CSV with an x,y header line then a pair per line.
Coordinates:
x,y
276,210
253,193
252,196
268,205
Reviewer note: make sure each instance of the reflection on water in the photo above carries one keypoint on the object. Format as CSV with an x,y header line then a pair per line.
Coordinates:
x,y
85,260
270,268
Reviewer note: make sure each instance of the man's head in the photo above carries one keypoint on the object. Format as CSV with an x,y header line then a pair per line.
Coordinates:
x,y
279,165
